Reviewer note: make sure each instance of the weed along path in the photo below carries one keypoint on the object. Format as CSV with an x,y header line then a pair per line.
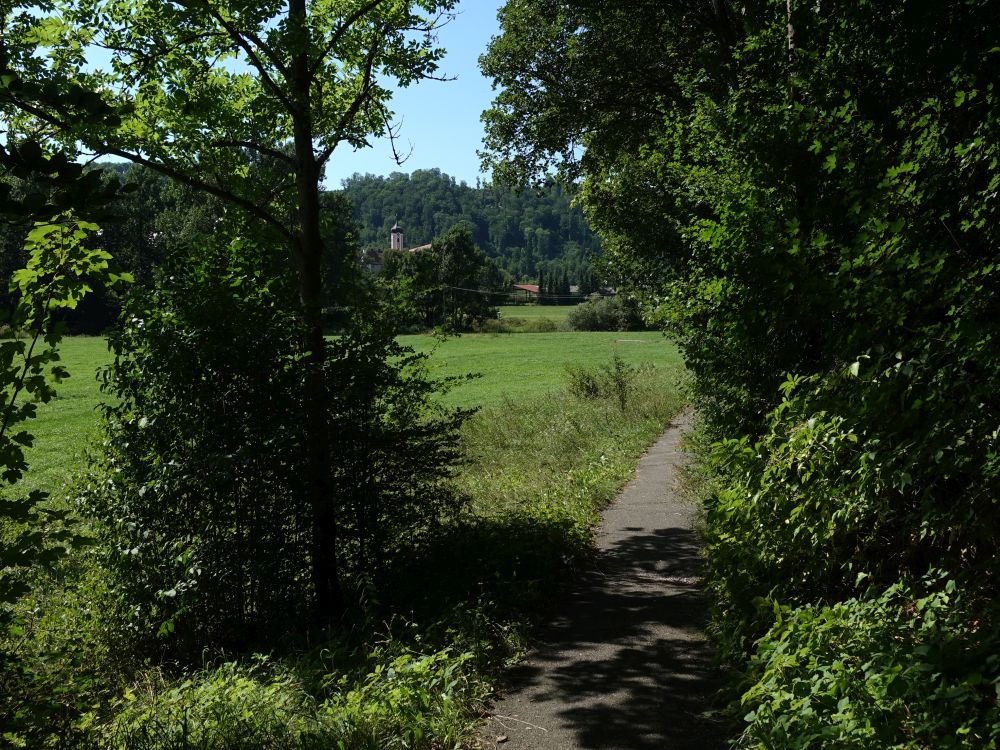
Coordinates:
x,y
626,663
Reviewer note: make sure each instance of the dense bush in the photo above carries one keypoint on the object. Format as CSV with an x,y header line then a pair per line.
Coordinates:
x,y
514,324
198,491
811,208
410,701
913,666
606,314
394,448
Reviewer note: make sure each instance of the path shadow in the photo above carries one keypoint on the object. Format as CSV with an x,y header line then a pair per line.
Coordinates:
x,y
627,658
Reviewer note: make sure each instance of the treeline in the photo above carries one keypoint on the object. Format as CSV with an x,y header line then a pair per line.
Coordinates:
x,y
527,235
806,195
526,232
152,218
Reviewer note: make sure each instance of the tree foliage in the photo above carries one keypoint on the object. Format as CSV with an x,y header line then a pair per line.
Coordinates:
x,y
45,201
522,230
807,197
200,491
448,284
247,103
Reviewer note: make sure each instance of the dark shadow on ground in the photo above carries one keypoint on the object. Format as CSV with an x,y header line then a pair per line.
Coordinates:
x,y
497,573
619,691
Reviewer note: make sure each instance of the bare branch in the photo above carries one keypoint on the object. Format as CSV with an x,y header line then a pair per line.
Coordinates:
x,y
393,133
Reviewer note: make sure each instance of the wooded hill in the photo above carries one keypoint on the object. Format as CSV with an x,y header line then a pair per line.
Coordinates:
x,y
525,231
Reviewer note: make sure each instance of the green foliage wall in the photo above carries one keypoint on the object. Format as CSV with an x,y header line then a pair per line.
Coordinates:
x,y
197,492
822,181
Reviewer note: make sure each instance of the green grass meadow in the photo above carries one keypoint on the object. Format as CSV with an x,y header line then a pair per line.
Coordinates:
x,y
512,369
65,424
553,312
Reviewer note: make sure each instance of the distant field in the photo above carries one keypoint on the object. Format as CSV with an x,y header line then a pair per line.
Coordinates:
x,y
64,424
518,367
555,312
513,367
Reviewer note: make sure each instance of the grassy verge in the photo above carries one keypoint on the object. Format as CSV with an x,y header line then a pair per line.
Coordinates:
x,y
65,424
413,669
516,370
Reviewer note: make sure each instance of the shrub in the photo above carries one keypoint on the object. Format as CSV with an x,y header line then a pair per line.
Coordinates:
x,y
606,314
229,708
409,700
199,491
514,324
615,380
394,448
912,667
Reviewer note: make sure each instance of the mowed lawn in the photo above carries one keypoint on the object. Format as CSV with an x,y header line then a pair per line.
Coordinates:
x,y
512,368
554,312
65,424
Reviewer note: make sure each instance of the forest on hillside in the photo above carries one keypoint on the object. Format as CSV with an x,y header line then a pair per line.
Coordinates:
x,y
525,231
530,234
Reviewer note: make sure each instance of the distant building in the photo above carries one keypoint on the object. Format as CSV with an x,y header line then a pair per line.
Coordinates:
x,y
524,293
396,241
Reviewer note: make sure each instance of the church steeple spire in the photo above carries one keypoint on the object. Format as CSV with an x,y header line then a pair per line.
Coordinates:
x,y
396,236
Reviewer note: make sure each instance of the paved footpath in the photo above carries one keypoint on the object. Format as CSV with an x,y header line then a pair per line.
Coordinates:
x,y
626,664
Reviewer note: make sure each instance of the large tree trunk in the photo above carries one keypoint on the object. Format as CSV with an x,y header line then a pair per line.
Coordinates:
x,y
329,597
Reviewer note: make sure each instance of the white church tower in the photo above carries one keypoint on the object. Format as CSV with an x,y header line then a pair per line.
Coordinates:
x,y
396,237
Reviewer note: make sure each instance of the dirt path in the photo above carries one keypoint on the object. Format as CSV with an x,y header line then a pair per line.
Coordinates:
x,y
626,664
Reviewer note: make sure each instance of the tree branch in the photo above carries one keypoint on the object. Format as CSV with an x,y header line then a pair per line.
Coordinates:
x,y
246,204
393,136
341,30
251,146
359,100
240,40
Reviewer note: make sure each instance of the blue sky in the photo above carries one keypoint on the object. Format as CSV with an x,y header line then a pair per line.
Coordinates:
x,y
440,119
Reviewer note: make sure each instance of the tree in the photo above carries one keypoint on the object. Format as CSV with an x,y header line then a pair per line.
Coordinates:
x,y
448,284
465,275
203,89
807,195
